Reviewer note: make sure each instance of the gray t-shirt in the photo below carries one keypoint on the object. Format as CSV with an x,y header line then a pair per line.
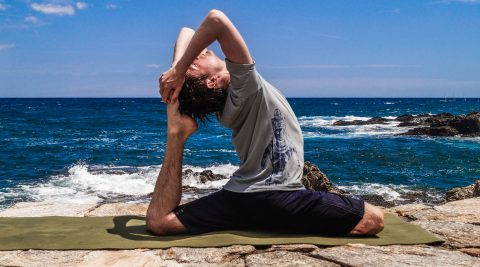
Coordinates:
x,y
265,134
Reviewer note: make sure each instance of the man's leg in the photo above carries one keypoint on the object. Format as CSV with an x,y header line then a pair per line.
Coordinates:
x,y
371,223
168,188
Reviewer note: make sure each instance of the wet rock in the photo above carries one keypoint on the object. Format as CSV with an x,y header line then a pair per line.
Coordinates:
x,y
397,255
377,200
285,258
204,176
409,124
433,131
444,124
40,209
405,118
455,234
467,126
464,192
374,120
314,179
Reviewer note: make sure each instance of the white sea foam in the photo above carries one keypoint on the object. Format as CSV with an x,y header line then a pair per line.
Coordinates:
x,y
349,131
92,184
389,192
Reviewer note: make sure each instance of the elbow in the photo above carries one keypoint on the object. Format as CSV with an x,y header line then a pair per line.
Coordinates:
x,y
216,16
155,226
186,29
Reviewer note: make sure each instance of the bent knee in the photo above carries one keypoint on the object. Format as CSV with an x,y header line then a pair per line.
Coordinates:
x,y
156,225
372,222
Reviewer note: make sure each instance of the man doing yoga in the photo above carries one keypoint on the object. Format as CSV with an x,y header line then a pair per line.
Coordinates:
x,y
265,193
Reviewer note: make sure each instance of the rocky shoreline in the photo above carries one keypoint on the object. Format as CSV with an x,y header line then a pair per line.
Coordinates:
x,y
456,220
442,124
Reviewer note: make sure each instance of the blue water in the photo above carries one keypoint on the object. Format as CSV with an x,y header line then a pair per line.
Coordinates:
x,y
91,150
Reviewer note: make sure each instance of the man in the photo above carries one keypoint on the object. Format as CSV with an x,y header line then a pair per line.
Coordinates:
x,y
265,192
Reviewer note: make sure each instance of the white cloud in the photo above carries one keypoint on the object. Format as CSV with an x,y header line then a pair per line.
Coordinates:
x,y
3,7
81,5
53,9
6,46
32,19
153,66
111,6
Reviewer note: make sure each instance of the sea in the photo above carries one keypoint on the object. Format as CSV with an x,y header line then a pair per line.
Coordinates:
x,y
100,150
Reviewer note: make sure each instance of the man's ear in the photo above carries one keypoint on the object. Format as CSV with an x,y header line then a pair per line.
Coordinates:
x,y
212,82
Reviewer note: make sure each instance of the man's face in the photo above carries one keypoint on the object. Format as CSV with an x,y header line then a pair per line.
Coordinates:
x,y
207,63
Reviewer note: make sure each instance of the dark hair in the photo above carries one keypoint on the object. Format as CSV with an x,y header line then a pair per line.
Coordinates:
x,y
198,101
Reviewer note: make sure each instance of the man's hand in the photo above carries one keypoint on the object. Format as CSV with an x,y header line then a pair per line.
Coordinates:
x,y
181,126
171,83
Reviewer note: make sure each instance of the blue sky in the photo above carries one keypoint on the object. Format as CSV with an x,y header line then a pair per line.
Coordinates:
x,y
63,48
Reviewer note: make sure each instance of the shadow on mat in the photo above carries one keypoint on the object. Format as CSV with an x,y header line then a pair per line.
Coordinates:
x,y
139,230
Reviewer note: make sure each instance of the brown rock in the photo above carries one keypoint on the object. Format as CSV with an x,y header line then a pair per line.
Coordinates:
x,y
466,210
475,252
224,256
40,209
397,255
314,179
304,248
284,258
407,209
455,234
204,176
34,258
464,192
114,209
122,258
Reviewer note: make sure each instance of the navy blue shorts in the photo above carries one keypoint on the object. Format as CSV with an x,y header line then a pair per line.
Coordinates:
x,y
300,211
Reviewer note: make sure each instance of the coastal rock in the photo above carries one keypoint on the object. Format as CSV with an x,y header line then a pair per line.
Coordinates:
x,y
475,252
314,179
397,255
409,124
459,193
136,257
374,120
446,124
40,209
405,118
223,256
466,210
285,258
41,258
433,131
455,234
204,176
377,200
115,209
407,209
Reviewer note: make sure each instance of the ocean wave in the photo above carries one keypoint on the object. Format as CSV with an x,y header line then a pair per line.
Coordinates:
x,y
392,192
97,183
326,123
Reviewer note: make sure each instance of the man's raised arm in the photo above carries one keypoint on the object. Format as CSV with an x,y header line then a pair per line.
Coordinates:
x,y
215,27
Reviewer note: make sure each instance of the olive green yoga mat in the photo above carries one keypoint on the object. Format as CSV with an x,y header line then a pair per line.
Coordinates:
x,y
129,232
